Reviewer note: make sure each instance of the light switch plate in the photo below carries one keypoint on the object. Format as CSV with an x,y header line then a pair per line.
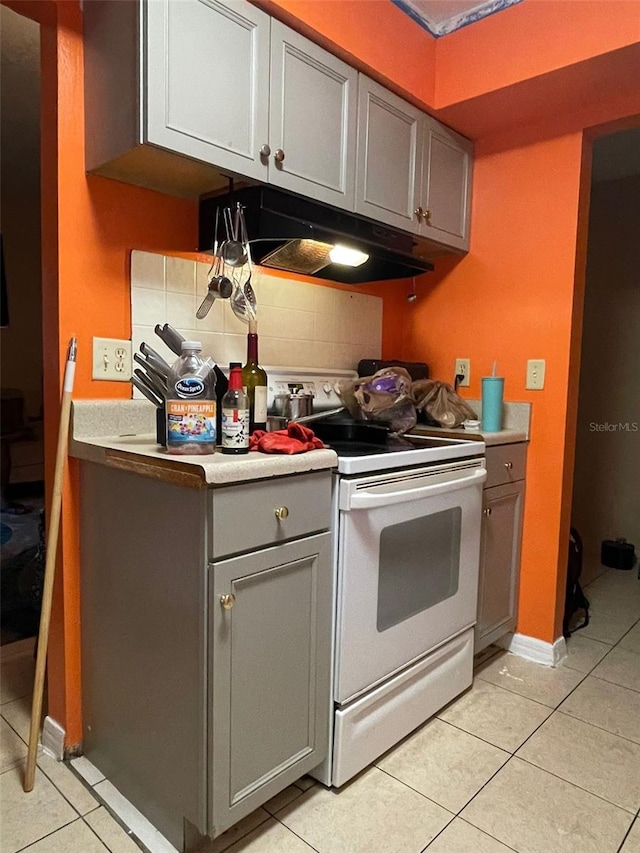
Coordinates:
x,y
535,374
112,359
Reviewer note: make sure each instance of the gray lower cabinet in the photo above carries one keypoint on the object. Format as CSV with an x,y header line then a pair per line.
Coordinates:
x,y
503,504
205,671
269,679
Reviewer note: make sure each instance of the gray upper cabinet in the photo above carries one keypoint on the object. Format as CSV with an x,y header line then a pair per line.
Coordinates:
x,y
445,186
224,87
207,81
412,172
389,143
312,120
176,92
181,94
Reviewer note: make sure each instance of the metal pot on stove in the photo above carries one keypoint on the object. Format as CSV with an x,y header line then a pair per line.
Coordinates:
x,y
297,404
295,407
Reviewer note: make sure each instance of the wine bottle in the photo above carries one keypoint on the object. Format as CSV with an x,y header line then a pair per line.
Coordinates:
x,y
254,381
235,414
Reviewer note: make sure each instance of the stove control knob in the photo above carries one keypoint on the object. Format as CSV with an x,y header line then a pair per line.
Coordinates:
x,y
336,388
326,388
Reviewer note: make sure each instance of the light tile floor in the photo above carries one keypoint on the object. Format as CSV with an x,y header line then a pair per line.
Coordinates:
x,y
530,759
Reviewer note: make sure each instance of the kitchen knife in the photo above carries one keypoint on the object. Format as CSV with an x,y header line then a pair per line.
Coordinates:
x,y
152,370
171,337
147,393
155,358
151,382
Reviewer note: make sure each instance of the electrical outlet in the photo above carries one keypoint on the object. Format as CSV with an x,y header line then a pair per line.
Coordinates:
x,y
535,374
463,368
112,359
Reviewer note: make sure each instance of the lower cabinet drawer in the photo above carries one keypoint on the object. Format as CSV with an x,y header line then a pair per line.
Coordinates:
x,y
506,463
252,515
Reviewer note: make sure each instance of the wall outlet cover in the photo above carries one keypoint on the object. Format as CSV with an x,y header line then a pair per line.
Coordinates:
x,y
463,368
112,359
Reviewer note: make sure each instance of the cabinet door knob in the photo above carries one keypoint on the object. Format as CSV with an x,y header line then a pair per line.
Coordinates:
x,y
279,155
227,601
426,216
486,510
419,212
281,512
508,465
265,150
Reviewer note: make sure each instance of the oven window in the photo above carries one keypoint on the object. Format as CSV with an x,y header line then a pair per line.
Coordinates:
x,y
419,565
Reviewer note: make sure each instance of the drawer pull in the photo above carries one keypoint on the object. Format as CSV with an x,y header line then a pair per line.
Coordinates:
x,y
281,512
227,601
486,510
508,465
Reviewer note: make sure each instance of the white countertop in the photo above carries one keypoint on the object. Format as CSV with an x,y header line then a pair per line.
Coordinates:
x,y
139,452
504,436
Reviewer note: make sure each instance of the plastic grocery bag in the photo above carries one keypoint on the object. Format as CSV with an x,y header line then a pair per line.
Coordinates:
x,y
386,397
440,403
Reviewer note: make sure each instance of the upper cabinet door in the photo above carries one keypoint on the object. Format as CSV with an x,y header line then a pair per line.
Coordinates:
x,y
312,119
207,81
445,192
389,140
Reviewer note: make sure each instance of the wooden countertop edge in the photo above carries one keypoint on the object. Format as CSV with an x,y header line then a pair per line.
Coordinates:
x,y
157,469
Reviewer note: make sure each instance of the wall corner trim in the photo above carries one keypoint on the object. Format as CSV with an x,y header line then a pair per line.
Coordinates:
x,y
538,651
53,738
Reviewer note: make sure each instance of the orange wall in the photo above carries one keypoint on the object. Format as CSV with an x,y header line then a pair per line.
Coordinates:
x,y
511,298
90,225
530,39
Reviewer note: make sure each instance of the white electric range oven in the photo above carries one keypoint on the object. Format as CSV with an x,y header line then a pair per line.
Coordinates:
x,y
407,515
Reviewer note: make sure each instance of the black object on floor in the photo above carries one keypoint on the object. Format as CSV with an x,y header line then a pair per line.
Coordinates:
x,y
617,554
21,571
575,599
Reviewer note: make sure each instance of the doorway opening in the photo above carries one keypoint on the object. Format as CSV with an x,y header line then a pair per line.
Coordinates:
x,y
22,409
606,498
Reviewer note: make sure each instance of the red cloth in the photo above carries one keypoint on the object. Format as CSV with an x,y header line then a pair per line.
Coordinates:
x,y
297,438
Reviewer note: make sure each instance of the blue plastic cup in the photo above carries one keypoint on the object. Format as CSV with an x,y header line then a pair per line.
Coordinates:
x,y
492,394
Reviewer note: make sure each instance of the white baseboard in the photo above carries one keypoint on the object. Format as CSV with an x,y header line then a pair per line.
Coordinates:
x,y
53,738
538,651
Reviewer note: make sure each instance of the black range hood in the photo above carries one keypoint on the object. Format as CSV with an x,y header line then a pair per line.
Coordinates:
x,y
293,233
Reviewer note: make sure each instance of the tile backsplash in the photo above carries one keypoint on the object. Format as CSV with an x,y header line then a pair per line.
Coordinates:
x,y
299,324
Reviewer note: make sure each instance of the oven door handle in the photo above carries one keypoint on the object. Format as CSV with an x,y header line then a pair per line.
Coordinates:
x,y
372,500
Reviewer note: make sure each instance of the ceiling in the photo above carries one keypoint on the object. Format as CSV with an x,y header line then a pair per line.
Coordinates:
x,y
440,17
